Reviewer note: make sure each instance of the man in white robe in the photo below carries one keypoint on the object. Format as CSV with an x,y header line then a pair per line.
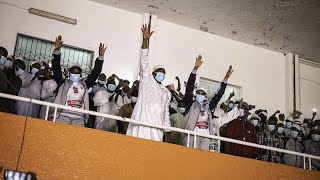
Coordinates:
x,y
153,100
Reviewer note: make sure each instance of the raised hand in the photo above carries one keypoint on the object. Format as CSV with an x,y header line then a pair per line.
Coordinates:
x,y
229,73
241,103
102,49
231,95
58,43
146,32
198,62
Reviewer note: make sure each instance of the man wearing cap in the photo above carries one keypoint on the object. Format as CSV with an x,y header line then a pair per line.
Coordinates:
x,y
293,145
198,112
9,82
243,130
312,146
272,139
288,125
31,88
154,98
73,91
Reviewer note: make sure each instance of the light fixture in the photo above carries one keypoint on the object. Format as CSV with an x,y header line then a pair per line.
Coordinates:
x,y
314,110
52,16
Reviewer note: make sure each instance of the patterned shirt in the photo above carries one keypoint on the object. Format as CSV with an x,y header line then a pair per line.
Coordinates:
x,y
270,139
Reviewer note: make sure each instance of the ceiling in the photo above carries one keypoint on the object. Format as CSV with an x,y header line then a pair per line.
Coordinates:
x,y
279,25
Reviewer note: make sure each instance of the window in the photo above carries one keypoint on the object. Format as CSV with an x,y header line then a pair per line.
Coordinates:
x,y
212,87
33,49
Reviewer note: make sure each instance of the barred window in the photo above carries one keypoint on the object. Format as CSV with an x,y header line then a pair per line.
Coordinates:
x,y
33,49
212,87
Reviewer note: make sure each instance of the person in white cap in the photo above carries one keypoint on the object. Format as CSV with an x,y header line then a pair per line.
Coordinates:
x,y
154,98
73,92
293,144
198,112
31,88
288,125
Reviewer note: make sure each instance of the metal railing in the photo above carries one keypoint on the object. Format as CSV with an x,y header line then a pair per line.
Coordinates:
x,y
195,134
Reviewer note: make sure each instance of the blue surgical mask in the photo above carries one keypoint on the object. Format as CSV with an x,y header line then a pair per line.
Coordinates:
x,y
3,60
271,127
159,76
34,70
294,134
75,77
101,82
280,130
288,124
181,110
111,87
200,98
19,72
7,63
254,122
231,106
134,99
241,112
315,137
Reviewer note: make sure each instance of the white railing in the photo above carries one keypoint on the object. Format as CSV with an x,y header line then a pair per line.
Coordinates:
x,y
195,134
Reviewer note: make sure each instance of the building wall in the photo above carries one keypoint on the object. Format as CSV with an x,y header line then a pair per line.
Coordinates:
x,y
260,72
58,151
309,89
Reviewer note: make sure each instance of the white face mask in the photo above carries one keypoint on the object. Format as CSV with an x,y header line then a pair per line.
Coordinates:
x,y
200,98
102,82
181,110
19,72
134,99
315,137
271,127
34,70
241,112
288,124
75,77
254,122
111,87
280,130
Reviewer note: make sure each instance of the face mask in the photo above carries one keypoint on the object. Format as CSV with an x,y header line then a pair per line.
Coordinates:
x,y
75,77
159,76
280,130
271,127
19,72
315,137
42,67
200,98
124,94
231,106
7,63
134,99
241,111
112,87
181,110
254,122
289,124
3,60
34,70
101,82
294,134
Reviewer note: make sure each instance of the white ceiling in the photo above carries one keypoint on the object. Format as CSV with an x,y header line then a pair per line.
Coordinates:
x,y
278,25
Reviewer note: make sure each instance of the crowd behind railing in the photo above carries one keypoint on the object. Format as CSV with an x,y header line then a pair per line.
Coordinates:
x,y
149,101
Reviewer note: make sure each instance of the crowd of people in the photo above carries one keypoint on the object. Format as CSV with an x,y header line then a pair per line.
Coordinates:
x,y
148,100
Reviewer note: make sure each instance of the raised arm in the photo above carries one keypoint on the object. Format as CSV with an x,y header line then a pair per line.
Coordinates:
x,y
56,68
144,60
93,76
179,84
218,95
191,83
